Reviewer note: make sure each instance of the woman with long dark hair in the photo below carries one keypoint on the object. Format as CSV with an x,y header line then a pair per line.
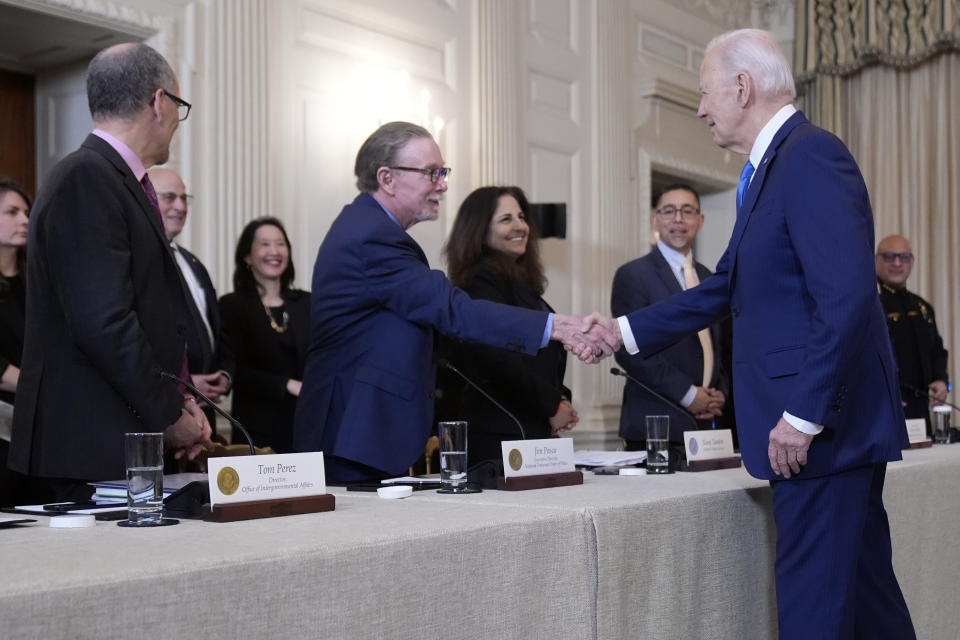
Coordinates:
x,y
266,322
493,254
14,221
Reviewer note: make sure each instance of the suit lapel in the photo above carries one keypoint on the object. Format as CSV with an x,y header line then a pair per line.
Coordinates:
x,y
756,186
665,272
209,293
130,182
146,207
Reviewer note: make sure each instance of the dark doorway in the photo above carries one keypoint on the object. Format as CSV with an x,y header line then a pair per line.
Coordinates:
x,y
18,149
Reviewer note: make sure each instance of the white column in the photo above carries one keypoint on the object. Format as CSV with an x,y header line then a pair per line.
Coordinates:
x,y
235,156
498,86
615,229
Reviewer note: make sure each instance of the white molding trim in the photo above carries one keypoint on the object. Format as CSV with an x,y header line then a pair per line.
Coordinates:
x,y
666,91
107,13
688,167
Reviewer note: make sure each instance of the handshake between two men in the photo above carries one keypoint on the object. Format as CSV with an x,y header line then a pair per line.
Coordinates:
x,y
591,338
594,337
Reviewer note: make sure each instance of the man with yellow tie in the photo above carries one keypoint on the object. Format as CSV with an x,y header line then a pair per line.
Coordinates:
x,y
688,373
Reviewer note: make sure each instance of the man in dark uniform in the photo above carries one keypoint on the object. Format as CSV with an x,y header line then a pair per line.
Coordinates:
x,y
921,358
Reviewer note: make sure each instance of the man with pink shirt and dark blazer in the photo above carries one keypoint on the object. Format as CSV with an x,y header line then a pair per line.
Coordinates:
x,y
107,305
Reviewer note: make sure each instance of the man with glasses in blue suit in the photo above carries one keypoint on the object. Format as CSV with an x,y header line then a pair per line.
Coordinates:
x,y
366,400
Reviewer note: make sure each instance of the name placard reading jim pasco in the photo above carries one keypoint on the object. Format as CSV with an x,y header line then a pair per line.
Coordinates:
x,y
537,457
247,478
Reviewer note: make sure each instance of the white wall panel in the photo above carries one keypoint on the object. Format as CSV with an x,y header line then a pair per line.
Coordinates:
x,y
346,70
62,117
576,101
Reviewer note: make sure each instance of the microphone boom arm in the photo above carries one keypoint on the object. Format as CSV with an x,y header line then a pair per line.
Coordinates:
x,y
199,394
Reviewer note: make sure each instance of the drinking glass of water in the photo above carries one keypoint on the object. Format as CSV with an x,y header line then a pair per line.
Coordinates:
x,y
453,457
658,444
144,457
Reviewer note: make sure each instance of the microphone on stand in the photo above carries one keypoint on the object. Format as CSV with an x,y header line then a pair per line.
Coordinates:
x,y
197,393
673,405
443,362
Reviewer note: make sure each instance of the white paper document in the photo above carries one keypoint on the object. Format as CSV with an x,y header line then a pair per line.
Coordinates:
x,y
583,458
411,480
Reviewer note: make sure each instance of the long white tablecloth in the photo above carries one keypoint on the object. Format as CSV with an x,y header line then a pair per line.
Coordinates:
x,y
680,556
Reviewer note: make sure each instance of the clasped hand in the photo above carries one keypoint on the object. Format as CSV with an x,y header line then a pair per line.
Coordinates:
x,y
707,404
591,338
190,434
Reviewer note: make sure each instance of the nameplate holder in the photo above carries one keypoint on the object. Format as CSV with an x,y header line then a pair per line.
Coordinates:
x,y
917,433
538,464
247,487
710,449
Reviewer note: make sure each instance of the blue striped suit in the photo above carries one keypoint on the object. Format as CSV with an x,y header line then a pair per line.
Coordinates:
x,y
810,339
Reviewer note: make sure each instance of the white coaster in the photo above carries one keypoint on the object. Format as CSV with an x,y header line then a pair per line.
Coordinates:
x,y
72,522
392,493
633,471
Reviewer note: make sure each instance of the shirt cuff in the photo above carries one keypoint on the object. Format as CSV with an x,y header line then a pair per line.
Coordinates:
x,y
547,331
689,397
627,334
805,426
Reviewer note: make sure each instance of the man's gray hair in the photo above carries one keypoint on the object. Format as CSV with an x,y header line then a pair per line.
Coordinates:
x,y
122,79
756,52
380,150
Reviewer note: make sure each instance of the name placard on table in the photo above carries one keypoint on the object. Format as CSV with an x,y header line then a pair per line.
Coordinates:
x,y
917,433
707,444
537,457
251,478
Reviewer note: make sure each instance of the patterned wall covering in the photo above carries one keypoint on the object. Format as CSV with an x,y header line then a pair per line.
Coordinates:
x,y
839,37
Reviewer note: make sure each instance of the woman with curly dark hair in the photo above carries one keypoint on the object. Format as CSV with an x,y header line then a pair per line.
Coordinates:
x,y
493,254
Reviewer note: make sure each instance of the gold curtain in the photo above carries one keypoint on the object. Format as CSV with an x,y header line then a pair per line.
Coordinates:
x,y
884,76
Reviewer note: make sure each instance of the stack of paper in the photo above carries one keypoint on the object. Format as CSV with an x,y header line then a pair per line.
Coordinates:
x,y
584,458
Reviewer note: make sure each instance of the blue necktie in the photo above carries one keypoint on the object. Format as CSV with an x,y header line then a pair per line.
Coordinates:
x,y
745,176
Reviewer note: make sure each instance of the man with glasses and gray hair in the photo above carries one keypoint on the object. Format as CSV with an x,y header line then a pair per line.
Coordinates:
x,y
917,345
107,309
366,400
688,372
209,360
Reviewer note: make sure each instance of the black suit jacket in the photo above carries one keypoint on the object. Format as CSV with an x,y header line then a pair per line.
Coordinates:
x,y
265,361
12,310
672,371
202,357
106,310
529,386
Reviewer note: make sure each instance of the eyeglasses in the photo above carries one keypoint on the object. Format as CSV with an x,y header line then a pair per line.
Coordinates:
x,y
183,107
433,174
889,256
168,197
670,211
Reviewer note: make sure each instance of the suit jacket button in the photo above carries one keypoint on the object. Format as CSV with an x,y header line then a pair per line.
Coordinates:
x,y
835,408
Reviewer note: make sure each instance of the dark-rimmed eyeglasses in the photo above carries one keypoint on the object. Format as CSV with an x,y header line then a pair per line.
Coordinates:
x,y
183,107
169,197
434,174
889,256
670,211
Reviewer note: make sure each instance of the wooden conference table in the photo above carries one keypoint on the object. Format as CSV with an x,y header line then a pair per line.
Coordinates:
x,y
681,556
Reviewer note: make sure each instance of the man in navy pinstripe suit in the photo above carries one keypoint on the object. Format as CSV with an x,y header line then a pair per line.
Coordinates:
x,y
818,404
